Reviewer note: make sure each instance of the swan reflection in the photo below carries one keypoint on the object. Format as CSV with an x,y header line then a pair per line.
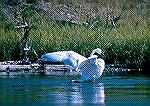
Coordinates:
x,y
88,93
38,90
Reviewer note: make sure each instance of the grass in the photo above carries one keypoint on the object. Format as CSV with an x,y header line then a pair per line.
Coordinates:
x,y
127,44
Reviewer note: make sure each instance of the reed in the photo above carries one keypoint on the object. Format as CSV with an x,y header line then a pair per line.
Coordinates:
x,y
127,44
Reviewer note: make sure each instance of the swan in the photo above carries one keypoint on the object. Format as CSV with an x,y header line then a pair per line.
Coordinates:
x,y
92,68
67,57
89,68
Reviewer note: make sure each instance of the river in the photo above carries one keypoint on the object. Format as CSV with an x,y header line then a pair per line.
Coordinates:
x,y
106,91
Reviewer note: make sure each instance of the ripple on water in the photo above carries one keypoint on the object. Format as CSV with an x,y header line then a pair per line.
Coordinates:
x,y
47,89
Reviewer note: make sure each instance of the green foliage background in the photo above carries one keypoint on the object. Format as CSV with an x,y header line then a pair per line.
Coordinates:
x,y
129,43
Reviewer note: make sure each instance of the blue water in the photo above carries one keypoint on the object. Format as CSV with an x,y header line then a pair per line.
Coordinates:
x,y
46,90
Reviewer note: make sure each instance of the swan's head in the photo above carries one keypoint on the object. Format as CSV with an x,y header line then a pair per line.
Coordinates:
x,y
96,52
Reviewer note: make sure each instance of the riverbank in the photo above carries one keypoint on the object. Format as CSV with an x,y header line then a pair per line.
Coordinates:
x,y
129,43
15,68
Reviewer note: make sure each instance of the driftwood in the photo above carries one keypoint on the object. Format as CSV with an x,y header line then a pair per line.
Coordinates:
x,y
8,68
15,68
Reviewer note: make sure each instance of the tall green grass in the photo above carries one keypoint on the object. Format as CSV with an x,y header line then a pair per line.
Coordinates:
x,y
120,45
127,44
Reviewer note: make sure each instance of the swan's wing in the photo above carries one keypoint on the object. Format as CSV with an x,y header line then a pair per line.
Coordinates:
x,y
100,67
67,57
70,59
80,58
73,59
87,69
91,68
88,63
53,57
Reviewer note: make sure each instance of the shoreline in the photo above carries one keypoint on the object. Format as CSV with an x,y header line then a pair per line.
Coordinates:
x,y
11,68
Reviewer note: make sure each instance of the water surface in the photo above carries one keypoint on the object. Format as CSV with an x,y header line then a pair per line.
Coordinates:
x,y
105,91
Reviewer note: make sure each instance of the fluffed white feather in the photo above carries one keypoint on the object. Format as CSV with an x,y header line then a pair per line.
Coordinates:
x,y
90,68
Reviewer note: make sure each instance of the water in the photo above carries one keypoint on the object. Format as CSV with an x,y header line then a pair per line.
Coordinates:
x,y
106,91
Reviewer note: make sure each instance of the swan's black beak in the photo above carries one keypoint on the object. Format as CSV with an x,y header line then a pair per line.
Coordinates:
x,y
97,54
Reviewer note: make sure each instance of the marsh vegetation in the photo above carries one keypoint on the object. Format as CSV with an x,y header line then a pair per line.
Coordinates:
x,y
128,43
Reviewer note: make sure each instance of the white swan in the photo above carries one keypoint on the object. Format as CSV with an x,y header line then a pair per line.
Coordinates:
x,y
89,68
67,57
92,68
